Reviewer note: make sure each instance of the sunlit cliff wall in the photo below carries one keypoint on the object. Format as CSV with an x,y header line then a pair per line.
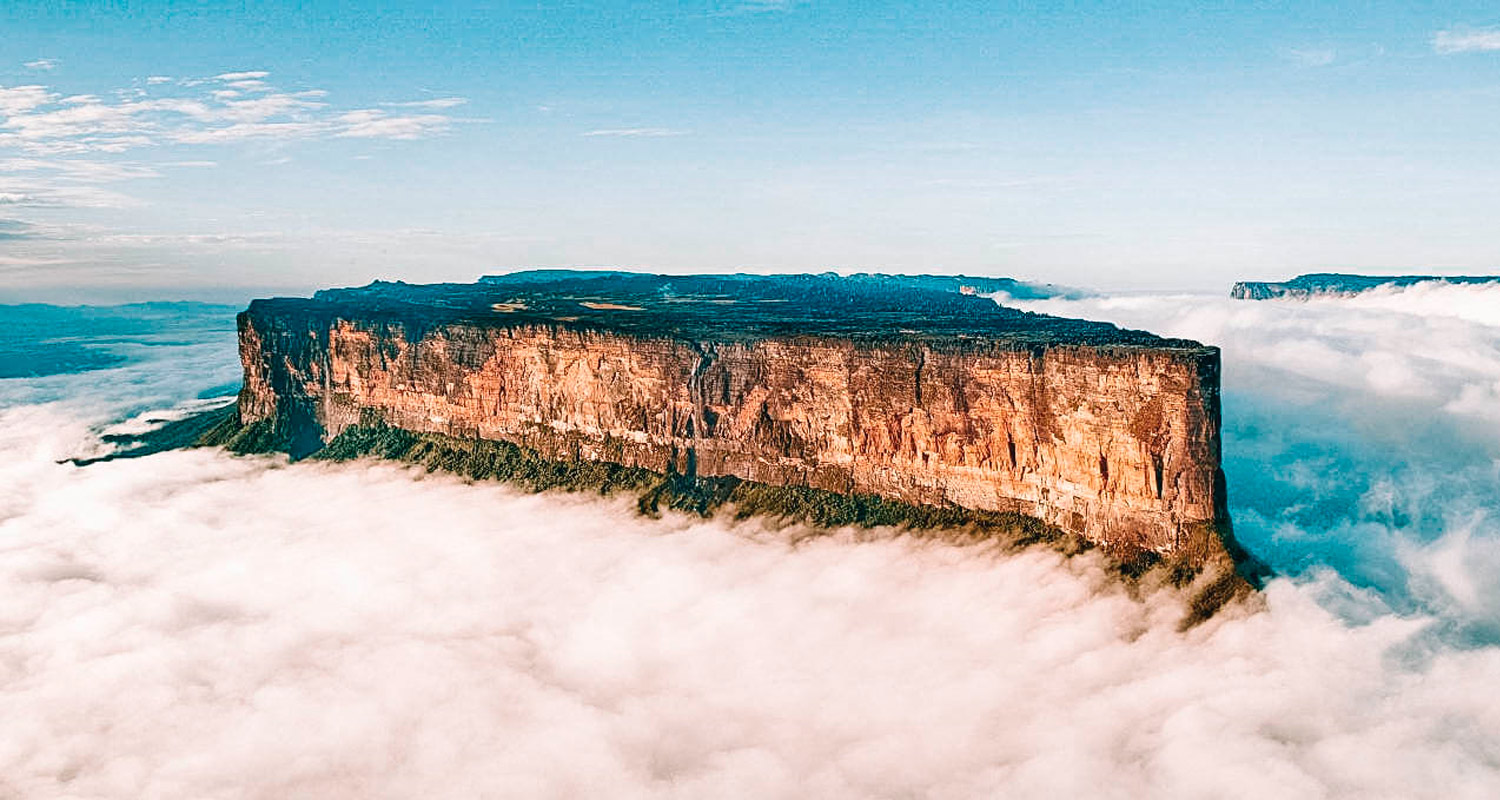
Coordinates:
x,y
1117,443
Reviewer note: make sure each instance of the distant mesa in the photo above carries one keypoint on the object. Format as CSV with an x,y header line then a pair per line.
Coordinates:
x,y
972,285
1335,284
963,284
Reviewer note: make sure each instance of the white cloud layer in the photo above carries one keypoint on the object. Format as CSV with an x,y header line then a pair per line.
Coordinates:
x,y
192,624
1361,433
1434,342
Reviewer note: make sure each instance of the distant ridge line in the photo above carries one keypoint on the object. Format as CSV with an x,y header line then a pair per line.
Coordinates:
x,y
1341,284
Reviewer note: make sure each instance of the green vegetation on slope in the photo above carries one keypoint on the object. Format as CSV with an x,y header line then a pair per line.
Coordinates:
x,y
257,437
192,430
483,459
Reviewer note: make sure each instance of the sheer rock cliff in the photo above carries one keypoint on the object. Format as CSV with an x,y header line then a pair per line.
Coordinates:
x,y
840,384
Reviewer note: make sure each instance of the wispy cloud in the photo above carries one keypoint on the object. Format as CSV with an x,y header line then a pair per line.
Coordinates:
x,y
757,7
25,194
439,102
15,230
246,239
30,261
637,132
242,76
61,150
246,131
1466,40
41,64
80,170
230,107
1312,56
20,99
376,124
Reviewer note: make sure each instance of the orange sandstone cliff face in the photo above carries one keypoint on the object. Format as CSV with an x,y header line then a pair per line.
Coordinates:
x,y
1117,442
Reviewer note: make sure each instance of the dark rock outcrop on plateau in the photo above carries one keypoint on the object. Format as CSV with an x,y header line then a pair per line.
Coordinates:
x,y
963,284
1332,283
864,386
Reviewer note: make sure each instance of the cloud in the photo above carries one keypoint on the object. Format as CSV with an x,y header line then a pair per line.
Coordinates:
x,y
20,99
759,7
189,240
250,86
10,263
1312,56
376,124
41,64
1320,470
232,107
36,195
439,102
246,131
79,170
636,132
157,80
230,615
12,230
1466,40
194,624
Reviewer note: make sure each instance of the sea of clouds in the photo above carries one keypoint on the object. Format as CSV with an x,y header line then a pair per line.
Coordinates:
x,y
192,624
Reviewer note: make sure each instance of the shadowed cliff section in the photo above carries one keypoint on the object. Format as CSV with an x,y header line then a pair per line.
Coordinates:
x,y
1333,283
906,389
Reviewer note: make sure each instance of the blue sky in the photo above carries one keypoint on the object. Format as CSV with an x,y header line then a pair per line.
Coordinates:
x,y
175,149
